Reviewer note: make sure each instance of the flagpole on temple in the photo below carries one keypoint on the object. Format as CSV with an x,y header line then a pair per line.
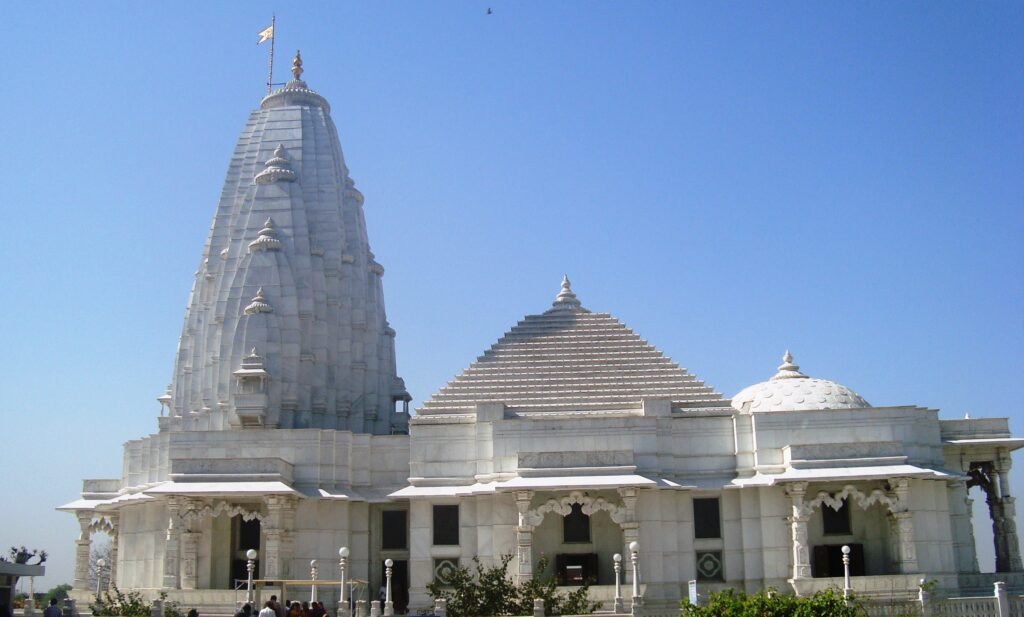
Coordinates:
x,y
273,35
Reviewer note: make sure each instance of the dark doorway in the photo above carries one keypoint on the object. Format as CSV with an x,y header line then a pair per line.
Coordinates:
x,y
245,535
399,585
828,560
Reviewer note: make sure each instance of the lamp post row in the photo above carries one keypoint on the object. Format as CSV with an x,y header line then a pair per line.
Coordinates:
x,y
389,607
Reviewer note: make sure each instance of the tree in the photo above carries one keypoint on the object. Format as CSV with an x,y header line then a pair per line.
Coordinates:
x,y
489,591
99,551
60,592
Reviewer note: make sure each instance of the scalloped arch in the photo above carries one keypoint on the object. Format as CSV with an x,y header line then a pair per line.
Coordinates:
x,y
864,500
589,505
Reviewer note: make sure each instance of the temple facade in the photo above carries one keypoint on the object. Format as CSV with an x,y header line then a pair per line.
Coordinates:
x,y
572,444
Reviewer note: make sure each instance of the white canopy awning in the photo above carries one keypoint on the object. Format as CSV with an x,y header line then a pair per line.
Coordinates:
x,y
1005,442
102,504
569,482
444,491
846,474
227,489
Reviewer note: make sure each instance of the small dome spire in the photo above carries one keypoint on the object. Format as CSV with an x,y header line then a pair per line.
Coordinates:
x,y
278,167
267,238
788,370
297,65
566,298
258,304
295,92
253,361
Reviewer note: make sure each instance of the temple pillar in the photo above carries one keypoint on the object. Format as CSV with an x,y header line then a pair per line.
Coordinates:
x,y
630,534
969,504
171,554
190,534
1008,544
278,536
1010,534
904,526
189,555
798,520
524,538
114,519
630,527
83,546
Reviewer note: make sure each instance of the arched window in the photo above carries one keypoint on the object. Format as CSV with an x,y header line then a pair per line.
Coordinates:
x,y
576,526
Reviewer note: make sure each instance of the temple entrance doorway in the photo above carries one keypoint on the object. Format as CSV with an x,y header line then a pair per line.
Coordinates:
x,y
245,535
399,585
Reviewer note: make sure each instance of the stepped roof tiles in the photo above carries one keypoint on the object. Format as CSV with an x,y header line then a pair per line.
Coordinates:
x,y
569,359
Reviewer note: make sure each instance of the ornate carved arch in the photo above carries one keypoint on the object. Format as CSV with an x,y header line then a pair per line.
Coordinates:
x,y
589,505
103,524
221,507
864,500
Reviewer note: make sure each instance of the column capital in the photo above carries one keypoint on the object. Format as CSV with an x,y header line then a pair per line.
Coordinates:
x,y
1003,461
523,499
796,490
84,522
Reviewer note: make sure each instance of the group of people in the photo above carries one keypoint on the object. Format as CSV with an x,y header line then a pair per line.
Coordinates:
x,y
273,608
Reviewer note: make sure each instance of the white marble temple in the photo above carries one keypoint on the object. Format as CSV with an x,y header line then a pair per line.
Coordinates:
x,y
285,429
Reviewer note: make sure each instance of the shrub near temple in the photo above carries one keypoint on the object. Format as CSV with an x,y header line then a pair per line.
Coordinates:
x,y
731,603
492,592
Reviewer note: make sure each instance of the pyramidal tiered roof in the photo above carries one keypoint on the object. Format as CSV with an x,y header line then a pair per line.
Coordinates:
x,y
569,359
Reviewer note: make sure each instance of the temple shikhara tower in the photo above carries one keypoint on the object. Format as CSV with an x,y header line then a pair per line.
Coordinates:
x,y
286,430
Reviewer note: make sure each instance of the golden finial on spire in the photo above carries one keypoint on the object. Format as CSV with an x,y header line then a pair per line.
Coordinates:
x,y
297,65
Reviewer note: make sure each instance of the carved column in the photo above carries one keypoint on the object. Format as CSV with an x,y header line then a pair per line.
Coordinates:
x,y
1010,533
190,553
1008,514
114,519
277,536
904,525
798,519
969,504
171,554
524,538
630,526
83,545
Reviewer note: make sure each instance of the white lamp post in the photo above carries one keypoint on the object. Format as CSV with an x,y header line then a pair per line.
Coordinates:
x,y
617,558
250,566
100,564
846,571
389,607
312,576
342,604
634,549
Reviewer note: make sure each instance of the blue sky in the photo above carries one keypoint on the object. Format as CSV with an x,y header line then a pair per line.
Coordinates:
x,y
730,179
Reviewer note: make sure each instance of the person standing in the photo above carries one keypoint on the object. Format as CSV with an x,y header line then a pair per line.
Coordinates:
x,y
52,610
278,609
268,610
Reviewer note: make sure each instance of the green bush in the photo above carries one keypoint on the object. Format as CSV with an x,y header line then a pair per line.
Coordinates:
x,y
488,590
120,604
732,603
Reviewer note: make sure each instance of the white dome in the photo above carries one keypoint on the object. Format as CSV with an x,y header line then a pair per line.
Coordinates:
x,y
791,390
